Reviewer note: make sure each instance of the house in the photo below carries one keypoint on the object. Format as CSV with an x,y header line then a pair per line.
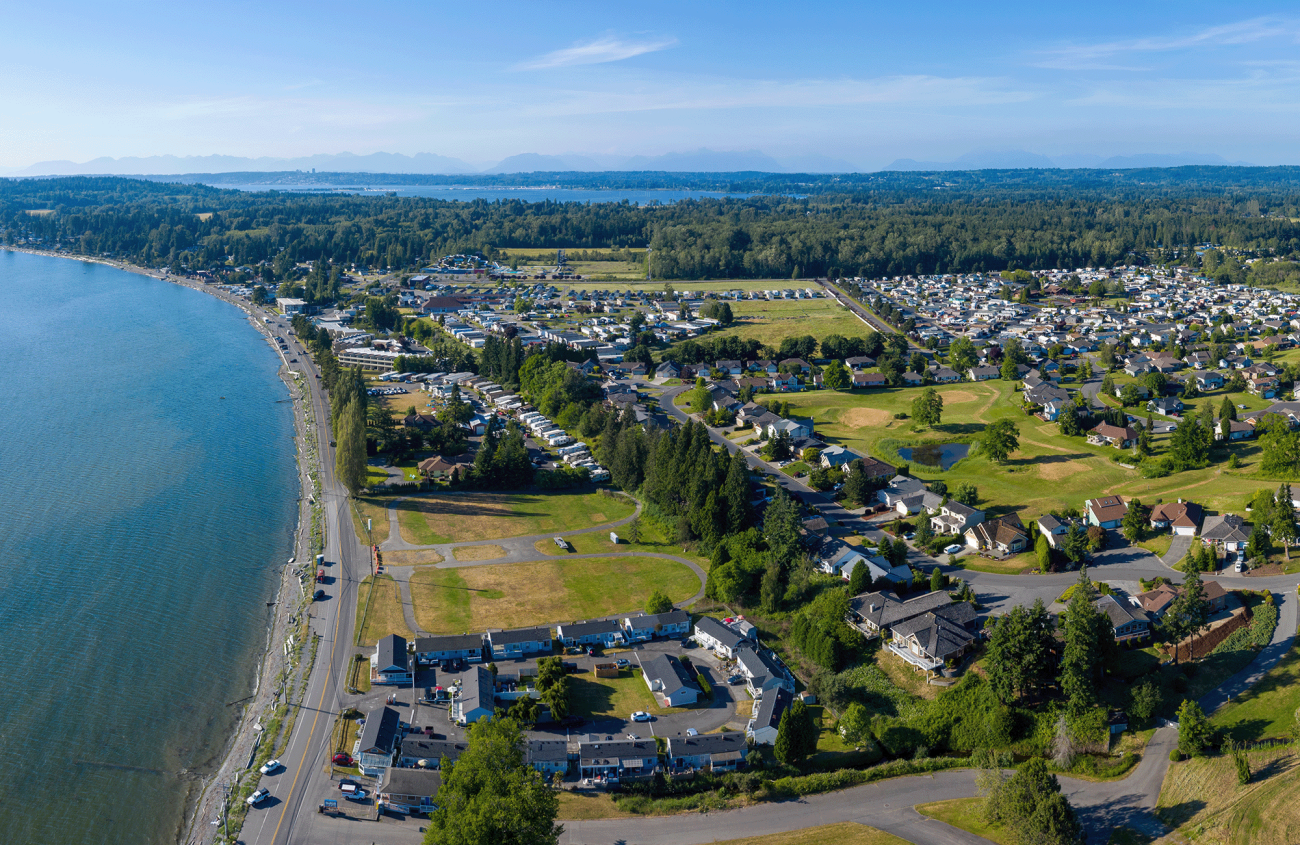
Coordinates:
x,y
1004,535
712,634
838,456
618,759
784,383
674,623
414,790
1105,512
1227,531
667,370
422,422
548,756
437,467
795,365
722,752
731,368
668,681
1237,429
872,467
1166,405
477,697
1183,519
1265,387
930,640
795,427
1053,529
427,753
379,736
954,518
877,612
816,526
602,632
867,380
1209,380
761,672
454,647
1129,622
944,375
900,488
390,664
859,362
912,379
507,644
1156,601
765,722
1105,434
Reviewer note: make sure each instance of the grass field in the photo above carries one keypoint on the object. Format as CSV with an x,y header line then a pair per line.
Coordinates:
x,y
576,806
611,698
771,322
1048,473
1202,797
444,518
516,595
965,813
653,539
384,616
420,557
1268,708
374,508
844,833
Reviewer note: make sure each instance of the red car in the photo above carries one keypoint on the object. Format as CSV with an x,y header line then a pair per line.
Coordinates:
x,y
342,760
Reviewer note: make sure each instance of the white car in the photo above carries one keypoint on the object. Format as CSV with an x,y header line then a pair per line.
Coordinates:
x,y
641,716
953,549
692,732
271,766
259,796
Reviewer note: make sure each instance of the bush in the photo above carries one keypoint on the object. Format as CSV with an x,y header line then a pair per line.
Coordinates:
x,y
704,685
1175,755
1257,634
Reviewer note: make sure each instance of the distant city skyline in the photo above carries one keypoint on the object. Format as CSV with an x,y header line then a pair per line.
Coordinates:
x,y
817,87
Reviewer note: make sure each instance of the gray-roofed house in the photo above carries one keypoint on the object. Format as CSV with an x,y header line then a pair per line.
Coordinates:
x,y
477,697
674,623
878,612
1129,622
548,756
618,759
505,644
415,790
761,672
765,722
953,517
1226,530
930,640
603,632
425,752
712,634
378,740
456,646
1053,529
390,664
722,752
668,680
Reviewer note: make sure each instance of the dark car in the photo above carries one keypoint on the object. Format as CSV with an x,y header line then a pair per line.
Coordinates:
x,y
320,594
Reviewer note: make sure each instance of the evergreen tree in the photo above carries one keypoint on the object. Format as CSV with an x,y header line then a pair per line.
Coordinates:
x,y
1019,646
350,451
1085,628
1030,807
1227,410
860,580
1195,734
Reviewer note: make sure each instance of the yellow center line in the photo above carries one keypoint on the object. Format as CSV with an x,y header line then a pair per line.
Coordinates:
x,y
329,671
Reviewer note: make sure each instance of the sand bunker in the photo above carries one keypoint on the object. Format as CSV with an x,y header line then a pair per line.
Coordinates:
x,y
863,417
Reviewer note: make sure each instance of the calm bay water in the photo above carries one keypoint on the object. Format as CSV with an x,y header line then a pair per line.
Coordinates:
x,y
143,518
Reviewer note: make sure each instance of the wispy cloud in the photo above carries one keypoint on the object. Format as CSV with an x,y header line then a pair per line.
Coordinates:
x,y
607,48
1105,55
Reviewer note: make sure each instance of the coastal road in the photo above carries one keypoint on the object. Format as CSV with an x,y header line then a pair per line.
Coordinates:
x,y
280,819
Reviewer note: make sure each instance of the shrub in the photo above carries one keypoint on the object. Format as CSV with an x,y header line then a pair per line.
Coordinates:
x,y
704,685
1175,755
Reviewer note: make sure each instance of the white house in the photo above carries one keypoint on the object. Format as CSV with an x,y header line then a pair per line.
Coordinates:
x,y
669,681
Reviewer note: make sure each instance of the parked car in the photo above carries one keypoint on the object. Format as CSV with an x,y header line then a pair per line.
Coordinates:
x,y
259,796
735,679
953,549
342,759
320,594
692,732
271,766
622,663
1239,567
641,716
633,736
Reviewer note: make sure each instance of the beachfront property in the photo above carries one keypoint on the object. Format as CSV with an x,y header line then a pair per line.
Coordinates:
x,y
467,647
379,737
390,664
477,697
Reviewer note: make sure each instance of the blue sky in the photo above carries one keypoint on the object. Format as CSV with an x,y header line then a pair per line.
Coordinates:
x,y
865,82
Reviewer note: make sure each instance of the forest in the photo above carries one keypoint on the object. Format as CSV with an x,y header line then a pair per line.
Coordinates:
x,y
868,225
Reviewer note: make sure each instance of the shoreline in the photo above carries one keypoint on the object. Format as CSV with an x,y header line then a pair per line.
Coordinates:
x,y
243,741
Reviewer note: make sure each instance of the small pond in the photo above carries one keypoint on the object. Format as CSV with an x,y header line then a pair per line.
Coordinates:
x,y
941,455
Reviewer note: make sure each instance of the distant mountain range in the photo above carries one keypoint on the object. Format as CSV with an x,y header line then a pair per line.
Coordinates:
x,y
1023,160
697,161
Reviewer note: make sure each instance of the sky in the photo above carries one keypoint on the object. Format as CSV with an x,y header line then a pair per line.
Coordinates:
x,y
864,82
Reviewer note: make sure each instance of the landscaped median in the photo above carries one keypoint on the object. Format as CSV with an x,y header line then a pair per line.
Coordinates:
x,y
517,595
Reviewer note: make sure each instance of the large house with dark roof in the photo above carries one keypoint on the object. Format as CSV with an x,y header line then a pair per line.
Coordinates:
x,y
878,612
390,664
618,759
477,697
722,752
766,720
930,640
379,737
507,644
668,680
454,647
712,634
1106,511
1183,519
602,632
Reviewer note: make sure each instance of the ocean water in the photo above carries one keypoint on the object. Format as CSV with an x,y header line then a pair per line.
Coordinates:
x,y
147,500
491,194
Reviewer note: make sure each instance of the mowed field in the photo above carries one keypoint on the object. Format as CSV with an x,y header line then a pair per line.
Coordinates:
x,y
517,595
384,615
772,322
1266,710
1202,796
1049,471
458,517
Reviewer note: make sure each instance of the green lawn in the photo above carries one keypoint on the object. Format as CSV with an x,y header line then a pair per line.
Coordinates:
x,y
605,698
1267,709
966,814
772,322
516,595
458,517
653,539
1047,474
